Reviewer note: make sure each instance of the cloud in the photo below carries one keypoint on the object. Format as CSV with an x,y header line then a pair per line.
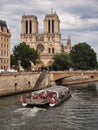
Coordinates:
x,y
78,18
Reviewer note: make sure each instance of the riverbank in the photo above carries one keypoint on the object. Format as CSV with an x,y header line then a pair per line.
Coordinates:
x,y
13,83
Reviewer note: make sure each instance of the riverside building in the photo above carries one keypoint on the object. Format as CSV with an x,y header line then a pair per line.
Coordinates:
x,y
47,43
5,36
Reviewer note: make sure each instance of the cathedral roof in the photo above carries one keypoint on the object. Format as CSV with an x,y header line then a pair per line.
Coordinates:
x,y
29,16
3,23
52,15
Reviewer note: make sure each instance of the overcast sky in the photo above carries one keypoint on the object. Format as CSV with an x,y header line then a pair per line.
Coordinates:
x,y
78,18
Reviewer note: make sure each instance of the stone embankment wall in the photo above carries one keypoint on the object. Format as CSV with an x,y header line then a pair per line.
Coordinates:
x,y
78,79
11,83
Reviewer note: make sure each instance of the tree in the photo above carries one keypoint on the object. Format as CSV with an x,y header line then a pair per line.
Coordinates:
x,y
25,55
61,62
14,63
83,56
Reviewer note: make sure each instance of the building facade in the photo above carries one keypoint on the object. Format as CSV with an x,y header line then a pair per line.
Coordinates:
x,y
47,43
5,36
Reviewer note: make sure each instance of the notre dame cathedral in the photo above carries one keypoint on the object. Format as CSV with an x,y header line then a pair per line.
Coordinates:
x,y
47,43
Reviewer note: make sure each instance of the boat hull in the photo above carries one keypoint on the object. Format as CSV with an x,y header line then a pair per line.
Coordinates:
x,y
41,105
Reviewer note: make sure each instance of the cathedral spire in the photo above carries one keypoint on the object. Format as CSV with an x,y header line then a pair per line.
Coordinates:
x,y
51,10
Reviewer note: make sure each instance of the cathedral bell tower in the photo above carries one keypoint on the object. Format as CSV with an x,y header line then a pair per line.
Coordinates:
x,y
52,33
52,24
29,28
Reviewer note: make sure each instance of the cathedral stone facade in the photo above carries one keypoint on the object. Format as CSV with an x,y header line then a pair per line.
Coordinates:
x,y
47,43
5,36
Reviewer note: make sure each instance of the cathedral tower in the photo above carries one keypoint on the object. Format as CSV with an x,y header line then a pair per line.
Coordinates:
x,y
51,24
52,33
29,28
29,24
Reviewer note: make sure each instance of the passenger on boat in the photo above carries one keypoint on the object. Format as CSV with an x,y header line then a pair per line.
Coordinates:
x,y
48,97
61,96
21,99
35,96
43,95
28,96
38,97
52,100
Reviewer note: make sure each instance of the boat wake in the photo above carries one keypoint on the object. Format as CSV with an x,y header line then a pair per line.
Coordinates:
x,y
27,112
20,115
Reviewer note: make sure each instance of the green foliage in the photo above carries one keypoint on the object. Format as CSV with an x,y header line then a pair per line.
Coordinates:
x,y
13,60
14,63
83,56
97,66
25,55
61,62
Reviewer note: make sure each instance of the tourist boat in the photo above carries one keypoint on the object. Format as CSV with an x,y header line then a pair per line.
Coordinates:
x,y
51,96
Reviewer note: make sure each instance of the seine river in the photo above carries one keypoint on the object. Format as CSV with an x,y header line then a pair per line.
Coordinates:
x,y
80,112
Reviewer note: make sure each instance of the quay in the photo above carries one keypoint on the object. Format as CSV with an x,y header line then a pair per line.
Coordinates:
x,y
18,82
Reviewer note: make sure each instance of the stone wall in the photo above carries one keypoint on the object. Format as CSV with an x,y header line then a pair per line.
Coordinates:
x,y
78,80
11,83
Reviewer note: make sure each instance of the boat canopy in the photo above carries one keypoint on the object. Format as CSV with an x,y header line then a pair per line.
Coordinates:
x,y
57,89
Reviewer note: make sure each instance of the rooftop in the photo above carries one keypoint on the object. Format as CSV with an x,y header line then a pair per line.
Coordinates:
x,y
3,23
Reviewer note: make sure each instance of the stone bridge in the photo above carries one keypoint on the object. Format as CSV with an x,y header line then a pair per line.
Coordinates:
x,y
59,75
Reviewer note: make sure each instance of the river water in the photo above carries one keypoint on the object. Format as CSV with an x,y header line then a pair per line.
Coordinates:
x,y
80,112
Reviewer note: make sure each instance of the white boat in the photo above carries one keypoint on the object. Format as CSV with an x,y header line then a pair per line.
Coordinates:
x,y
51,96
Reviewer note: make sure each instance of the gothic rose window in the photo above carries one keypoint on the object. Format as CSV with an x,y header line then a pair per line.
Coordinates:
x,y
40,48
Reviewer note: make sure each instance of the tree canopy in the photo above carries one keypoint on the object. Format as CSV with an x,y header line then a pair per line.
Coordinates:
x,y
25,55
83,56
61,62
